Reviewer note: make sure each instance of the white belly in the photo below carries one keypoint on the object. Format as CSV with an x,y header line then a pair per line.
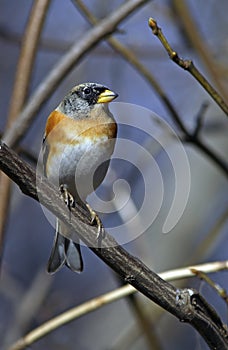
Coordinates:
x,y
76,165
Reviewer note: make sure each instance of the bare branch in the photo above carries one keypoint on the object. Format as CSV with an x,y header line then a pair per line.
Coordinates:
x,y
65,64
187,305
131,58
197,41
30,303
199,119
222,164
108,298
212,235
189,66
188,136
27,55
21,84
221,291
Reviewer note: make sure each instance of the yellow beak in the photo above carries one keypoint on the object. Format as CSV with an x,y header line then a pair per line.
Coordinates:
x,y
106,96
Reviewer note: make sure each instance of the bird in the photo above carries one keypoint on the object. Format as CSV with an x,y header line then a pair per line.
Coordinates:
x,y
79,139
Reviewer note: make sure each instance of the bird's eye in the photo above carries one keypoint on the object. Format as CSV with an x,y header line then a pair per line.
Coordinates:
x,y
87,91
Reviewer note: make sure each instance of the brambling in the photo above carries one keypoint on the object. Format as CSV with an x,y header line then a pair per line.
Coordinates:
x,y
78,142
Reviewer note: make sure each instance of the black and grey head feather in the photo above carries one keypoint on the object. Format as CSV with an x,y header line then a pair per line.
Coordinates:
x,y
81,99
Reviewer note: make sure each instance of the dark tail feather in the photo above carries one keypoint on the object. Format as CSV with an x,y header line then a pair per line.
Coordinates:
x,y
64,251
57,258
73,255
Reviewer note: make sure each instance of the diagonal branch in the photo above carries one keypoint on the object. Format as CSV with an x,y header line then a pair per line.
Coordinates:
x,y
21,84
189,66
27,56
131,58
199,43
78,50
107,298
187,305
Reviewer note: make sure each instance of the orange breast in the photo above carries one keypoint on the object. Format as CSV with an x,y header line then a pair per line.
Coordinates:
x,y
61,128
69,140
53,120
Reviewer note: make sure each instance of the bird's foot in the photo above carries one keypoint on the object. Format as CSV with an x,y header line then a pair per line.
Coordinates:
x,y
95,218
67,196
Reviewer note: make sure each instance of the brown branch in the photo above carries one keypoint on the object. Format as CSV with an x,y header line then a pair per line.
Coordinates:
x,y
20,89
198,42
208,151
203,276
199,119
90,39
189,66
193,137
187,305
131,58
31,301
210,238
58,46
107,298
27,56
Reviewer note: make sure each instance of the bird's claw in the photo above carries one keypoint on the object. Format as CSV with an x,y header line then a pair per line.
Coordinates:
x,y
67,196
95,218
70,203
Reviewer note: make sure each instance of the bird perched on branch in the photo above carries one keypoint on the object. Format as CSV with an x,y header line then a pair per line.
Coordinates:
x,y
78,142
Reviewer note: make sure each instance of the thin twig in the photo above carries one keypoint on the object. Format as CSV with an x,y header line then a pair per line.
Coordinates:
x,y
199,119
27,56
199,43
189,66
108,298
187,304
20,89
221,291
190,137
143,318
87,41
222,164
29,305
131,58
58,46
204,246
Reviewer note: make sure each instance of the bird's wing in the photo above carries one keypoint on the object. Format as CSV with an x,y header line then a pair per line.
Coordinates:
x,y
45,151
